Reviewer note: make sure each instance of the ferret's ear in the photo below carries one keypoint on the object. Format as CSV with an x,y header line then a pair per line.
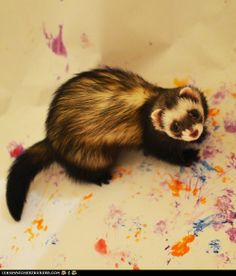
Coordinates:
x,y
156,117
188,92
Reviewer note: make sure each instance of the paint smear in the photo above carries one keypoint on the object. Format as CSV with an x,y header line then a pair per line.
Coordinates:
x,y
15,149
56,43
219,96
101,246
181,248
232,234
180,82
219,169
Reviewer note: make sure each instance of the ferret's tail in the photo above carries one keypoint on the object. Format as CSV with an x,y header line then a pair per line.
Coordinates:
x,y
22,172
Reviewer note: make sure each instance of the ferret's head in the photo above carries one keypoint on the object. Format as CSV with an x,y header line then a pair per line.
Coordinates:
x,y
180,113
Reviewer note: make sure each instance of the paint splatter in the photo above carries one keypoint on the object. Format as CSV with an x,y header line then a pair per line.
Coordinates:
x,y
180,82
230,125
88,197
56,43
219,96
120,172
85,43
232,234
232,161
206,165
181,248
176,187
213,112
101,246
215,246
160,227
115,217
52,240
15,149
1,266
210,151
36,227
135,267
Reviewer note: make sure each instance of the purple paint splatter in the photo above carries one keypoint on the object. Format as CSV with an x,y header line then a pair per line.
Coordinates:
x,y
15,149
219,96
209,152
232,234
56,43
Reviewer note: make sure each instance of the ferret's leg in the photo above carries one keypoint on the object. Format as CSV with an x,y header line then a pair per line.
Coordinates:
x,y
171,152
93,165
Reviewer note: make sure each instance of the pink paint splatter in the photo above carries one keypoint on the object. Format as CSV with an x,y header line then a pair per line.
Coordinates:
x,y
85,43
160,227
223,203
232,234
229,123
101,246
56,43
15,149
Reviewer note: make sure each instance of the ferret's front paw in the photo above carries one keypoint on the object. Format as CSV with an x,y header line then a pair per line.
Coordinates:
x,y
189,156
103,179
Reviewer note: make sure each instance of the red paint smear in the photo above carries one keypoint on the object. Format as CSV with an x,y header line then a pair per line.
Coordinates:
x,y
116,265
15,149
1,265
56,43
101,247
135,267
181,248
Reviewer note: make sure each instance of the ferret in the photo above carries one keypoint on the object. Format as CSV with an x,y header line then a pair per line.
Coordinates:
x,y
98,113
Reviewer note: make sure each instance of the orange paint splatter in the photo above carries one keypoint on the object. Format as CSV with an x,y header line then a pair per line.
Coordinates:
x,y
176,186
101,247
116,265
195,191
120,172
135,267
180,82
39,223
181,248
234,95
88,197
203,200
219,169
1,266
224,179
213,112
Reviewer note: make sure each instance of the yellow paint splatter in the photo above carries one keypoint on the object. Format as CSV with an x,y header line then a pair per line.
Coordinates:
x,y
30,232
39,223
181,248
180,82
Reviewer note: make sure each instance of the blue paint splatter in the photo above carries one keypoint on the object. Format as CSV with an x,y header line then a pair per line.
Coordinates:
x,y
215,246
206,165
201,224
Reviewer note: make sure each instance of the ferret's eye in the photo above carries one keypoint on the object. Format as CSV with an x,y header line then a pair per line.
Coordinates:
x,y
194,114
175,127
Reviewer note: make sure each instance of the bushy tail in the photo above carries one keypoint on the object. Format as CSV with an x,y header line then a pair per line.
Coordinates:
x,y
22,172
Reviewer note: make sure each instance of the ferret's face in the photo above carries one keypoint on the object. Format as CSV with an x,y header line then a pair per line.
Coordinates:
x,y
184,121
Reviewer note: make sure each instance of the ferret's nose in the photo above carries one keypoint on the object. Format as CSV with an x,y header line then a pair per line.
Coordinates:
x,y
194,134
